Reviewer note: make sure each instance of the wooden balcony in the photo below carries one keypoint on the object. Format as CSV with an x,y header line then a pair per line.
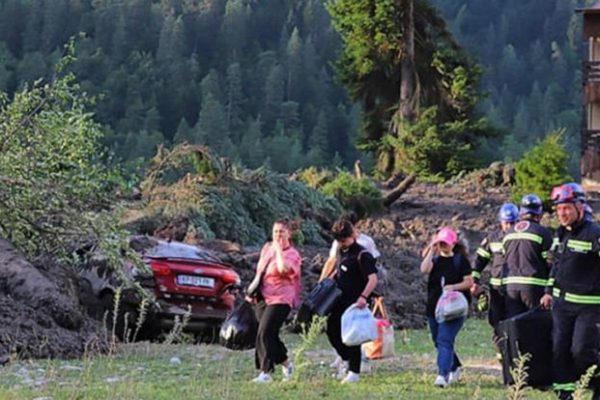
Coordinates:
x,y
591,71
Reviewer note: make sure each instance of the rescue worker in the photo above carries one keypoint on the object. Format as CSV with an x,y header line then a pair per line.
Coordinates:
x,y
574,293
491,253
526,248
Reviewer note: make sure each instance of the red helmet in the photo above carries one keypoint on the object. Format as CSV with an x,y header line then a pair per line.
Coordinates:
x,y
565,194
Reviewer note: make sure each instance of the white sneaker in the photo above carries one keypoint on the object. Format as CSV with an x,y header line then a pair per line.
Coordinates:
x,y
342,370
336,363
365,366
454,376
440,381
351,377
287,371
263,377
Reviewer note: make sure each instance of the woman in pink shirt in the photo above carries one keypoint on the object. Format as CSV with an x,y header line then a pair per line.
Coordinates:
x,y
279,292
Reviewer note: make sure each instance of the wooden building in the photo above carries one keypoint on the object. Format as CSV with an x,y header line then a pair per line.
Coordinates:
x,y
590,132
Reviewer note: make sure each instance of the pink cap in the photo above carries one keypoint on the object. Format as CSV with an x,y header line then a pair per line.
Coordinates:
x,y
446,235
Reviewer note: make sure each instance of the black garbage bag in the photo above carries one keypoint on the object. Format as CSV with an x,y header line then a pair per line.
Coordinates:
x,y
302,320
238,331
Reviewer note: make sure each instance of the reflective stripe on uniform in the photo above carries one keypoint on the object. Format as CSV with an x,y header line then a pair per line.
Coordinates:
x,y
476,274
577,298
482,253
496,247
565,387
544,255
525,280
523,236
579,245
496,281
551,281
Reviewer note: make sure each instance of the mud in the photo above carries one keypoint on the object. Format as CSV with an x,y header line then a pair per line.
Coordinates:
x,y
40,315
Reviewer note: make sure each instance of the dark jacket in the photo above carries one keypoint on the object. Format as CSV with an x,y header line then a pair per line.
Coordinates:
x,y
576,272
526,247
490,252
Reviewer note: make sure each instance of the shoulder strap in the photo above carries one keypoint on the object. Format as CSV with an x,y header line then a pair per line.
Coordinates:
x,y
360,264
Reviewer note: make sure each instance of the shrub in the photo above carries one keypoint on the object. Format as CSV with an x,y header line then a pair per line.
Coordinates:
x,y
358,195
541,168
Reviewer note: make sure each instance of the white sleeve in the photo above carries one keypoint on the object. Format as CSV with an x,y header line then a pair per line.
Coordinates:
x,y
368,244
333,250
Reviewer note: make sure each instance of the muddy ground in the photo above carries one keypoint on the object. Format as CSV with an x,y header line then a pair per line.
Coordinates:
x,y
41,316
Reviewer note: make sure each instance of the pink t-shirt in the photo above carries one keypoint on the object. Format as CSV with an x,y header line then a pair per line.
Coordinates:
x,y
277,288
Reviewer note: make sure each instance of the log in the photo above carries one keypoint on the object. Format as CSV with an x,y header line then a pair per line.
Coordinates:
x,y
399,190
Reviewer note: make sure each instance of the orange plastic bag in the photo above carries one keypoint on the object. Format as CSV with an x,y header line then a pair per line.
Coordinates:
x,y
383,346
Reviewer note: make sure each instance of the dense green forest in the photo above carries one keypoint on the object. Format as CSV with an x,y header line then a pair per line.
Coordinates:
x,y
531,52
255,79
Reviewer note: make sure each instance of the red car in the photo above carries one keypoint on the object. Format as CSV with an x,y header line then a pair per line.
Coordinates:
x,y
189,275
182,276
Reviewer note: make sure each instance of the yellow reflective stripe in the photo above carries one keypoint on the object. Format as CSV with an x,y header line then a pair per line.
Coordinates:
x,y
581,299
555,241
580,243
496,247
496,281
525,280
556,292
482,253
544,254
523,236
566,387
476,274
551,281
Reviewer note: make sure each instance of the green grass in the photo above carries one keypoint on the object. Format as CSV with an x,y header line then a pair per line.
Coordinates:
x,y
144,371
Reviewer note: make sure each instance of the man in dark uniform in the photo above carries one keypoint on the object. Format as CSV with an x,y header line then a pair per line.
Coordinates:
x,y
574,293
356,276
526,248
491,253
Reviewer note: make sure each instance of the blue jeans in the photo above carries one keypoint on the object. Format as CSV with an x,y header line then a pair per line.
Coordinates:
x,y
443,335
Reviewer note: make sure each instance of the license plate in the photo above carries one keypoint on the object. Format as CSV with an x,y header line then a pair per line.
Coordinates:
x,y
191,280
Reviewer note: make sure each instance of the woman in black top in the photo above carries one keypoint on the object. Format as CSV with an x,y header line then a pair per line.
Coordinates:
x,y
445,261
356,276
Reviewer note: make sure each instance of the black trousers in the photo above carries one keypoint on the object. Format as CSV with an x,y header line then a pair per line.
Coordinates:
x,y
575,340
497,310
270,350
521,298
334,334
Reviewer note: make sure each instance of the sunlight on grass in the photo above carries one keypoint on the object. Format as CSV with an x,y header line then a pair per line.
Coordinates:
x,y
158,371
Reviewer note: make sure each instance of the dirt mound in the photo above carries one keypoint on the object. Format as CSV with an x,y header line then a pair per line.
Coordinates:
x,y
40,315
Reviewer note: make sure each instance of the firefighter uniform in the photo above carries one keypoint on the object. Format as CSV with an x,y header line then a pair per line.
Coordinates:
x,y
526,271
490,252
575,287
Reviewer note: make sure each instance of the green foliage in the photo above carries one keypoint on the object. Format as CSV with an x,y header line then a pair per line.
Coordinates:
x,y
232,70
358,195
541,168
315,177
52,179
220,200
442,138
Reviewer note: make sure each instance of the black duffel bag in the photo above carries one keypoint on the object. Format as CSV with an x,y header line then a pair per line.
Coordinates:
x,y
323,297
528,333
238,331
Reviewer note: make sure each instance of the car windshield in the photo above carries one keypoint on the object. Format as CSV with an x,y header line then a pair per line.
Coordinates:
x,y
180,250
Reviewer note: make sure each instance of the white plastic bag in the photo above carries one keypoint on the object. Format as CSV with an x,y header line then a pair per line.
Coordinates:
x,y
358,326
450,306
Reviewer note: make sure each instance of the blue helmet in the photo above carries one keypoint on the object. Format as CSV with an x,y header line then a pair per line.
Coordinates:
x,y
508,213
531,204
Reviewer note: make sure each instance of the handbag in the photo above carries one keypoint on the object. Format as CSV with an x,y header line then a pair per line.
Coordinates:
x,y
323,297
383,346
450,306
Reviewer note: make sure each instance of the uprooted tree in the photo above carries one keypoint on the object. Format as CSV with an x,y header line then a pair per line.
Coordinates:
x,y
191,194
